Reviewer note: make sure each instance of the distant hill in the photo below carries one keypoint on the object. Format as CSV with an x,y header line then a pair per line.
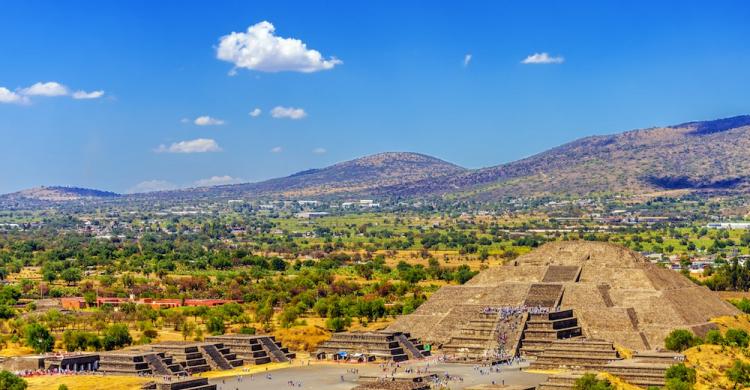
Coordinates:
x,y
694,156
706,156
42,196
363,175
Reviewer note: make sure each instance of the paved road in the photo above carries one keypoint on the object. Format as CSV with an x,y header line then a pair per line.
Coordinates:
x,y
328,376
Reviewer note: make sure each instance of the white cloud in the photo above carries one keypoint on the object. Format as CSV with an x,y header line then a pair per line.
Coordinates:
x,y
88,95
50,88
277,149
279,112
218,181
255,112
319,151
152,185
259,49
200,145
467,60
8,96
208,121
542,58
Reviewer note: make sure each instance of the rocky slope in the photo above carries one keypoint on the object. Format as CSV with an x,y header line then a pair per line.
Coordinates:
x,y
698,156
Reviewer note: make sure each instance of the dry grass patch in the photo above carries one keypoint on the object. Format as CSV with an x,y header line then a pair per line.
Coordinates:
x,y
302,338
15,350
711,363
740,321
86,382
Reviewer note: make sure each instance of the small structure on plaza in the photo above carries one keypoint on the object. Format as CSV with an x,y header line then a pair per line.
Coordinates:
x,y
400,381
135,362
254,349
368,346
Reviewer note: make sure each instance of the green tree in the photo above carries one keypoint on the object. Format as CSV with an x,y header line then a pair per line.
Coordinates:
x,y
38,338
215,325
9,381
71,275
116,336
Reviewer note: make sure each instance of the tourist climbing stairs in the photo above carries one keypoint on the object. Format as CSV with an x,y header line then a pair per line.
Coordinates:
x,y
273,350
215,359
487,336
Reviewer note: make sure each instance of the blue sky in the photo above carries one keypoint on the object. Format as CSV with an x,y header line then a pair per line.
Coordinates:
x,y
107,94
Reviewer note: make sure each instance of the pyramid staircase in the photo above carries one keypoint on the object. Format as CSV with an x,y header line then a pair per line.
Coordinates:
x,y
487,336
273,350
411,346
216,359
252,349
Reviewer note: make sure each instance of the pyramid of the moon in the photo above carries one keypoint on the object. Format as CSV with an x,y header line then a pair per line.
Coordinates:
x,y
615,294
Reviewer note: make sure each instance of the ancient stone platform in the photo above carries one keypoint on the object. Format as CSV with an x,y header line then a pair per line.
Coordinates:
x,y
395,346
254,349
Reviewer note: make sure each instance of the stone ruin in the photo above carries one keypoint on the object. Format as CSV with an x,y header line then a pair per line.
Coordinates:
x,y
252,349
382,345
577,301
613,293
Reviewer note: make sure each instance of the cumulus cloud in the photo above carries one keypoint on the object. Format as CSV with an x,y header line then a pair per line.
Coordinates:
x,y
467,59
152,185
260,49
206,120
8,96
200,145
50,88
255,112
279,112
88,95
319,151
543,58
277,149
218,181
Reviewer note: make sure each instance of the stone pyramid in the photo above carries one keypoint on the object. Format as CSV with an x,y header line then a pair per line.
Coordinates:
x,y
615,293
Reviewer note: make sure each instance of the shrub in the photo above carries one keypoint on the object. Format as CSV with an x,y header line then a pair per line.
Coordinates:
x,y
679,340
714,337
337,324
589,382
739,373
247,330
737,337
681,372
9,381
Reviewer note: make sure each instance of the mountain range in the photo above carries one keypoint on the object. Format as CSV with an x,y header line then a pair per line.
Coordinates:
x,y
705,156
